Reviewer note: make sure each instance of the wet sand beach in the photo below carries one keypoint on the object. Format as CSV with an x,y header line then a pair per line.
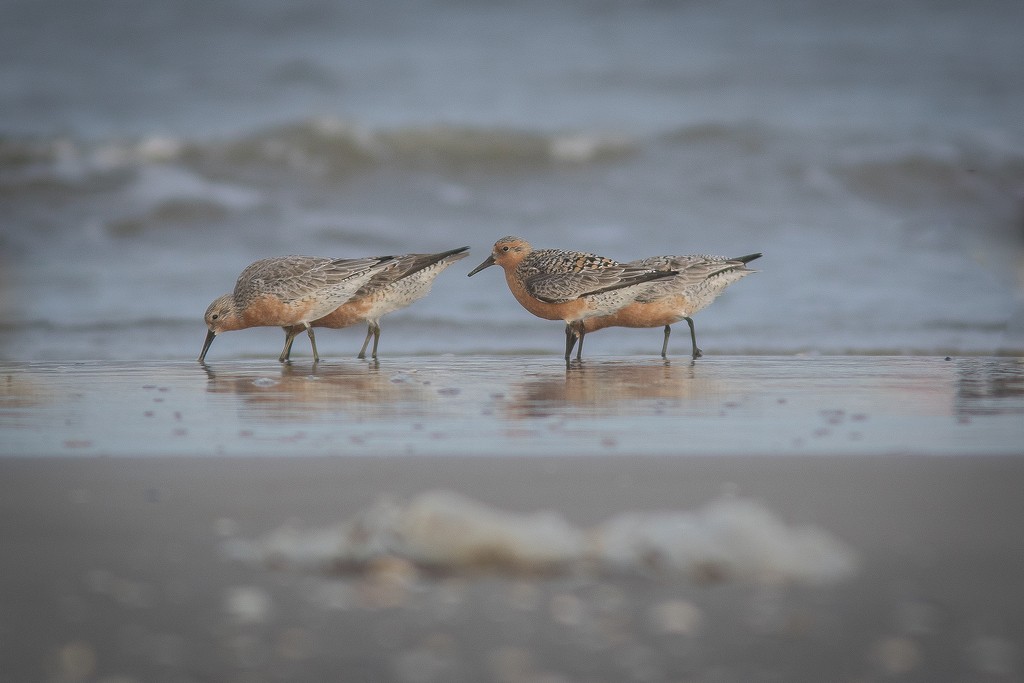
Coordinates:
x,y
846,518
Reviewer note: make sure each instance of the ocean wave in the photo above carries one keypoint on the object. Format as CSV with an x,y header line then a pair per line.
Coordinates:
x,y
68,163
329,146
961,174
751,138
325,147
900,174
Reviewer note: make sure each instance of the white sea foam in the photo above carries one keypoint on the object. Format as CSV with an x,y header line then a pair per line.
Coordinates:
x,y
445,529
728,539
158,184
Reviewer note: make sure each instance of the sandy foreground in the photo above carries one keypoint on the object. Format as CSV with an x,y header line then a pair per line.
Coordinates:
x,y
844,550
115,569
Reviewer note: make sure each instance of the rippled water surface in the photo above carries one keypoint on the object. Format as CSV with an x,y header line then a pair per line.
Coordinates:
x,y
481,406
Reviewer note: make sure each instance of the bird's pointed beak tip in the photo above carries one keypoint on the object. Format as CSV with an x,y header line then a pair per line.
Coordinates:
x,y
206,345
489,261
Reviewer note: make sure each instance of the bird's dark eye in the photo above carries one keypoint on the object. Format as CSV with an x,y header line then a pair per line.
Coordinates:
x,y
505,248
214,316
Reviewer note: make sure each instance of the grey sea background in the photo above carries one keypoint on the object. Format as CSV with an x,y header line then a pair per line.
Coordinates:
x,y
873,151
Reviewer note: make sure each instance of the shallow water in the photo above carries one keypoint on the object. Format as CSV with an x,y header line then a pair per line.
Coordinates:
x,y
874,153
515,405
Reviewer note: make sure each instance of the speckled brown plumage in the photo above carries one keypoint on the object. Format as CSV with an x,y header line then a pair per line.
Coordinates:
x,y
699,280
403,280
559,284
288,290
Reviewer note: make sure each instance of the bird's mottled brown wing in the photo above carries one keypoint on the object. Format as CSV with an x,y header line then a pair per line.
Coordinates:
x,y
692,270
291,278
405,265
556,276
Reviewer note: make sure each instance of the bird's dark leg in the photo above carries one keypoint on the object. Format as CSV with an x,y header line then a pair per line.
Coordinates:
x,y
289,337
570,341
312,342
376,338
664,346
369,333
697,353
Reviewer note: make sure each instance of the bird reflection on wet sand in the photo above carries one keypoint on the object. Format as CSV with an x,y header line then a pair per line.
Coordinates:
x,y
610,389
370,392
304,391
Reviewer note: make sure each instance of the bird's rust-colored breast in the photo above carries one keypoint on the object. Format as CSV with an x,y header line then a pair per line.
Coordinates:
x,y
568,310
665,311
349,313
270,311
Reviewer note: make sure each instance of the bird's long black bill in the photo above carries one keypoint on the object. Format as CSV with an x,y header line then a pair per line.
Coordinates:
x,y
489,261
206,345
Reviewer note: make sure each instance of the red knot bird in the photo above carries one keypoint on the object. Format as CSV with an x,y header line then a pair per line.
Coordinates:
x,y
286,291
402,281
572,286
699,280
